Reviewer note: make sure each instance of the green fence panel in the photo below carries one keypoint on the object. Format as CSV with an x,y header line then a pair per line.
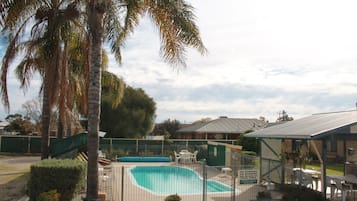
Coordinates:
x,y
150,147
75,142
35,145
14,144
104,144
216,155
124,147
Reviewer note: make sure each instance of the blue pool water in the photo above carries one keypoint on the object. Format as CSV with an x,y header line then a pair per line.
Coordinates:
x,y
164,180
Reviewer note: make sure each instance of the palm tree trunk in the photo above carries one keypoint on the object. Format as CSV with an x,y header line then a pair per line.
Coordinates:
x,y
95,20
45,121
62,101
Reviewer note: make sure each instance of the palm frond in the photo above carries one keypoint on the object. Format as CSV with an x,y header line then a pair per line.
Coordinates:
x,y
175,21
11,52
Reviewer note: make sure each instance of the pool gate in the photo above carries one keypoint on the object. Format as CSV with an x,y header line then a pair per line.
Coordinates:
x,y
240,178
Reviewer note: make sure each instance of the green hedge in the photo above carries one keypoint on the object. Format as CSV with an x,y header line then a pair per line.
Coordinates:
x,y
65,176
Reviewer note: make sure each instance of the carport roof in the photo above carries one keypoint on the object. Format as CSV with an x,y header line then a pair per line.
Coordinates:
x,y
314,126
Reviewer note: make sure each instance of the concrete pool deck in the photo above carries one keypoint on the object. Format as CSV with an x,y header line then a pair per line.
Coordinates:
x,y
135,193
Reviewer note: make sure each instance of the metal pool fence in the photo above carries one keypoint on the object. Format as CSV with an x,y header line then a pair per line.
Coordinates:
x,y
119,184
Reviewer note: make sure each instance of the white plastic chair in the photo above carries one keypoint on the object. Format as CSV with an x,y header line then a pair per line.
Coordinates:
x,y
186,157
332,185
307,180
304,179
343,187
194,156
177,157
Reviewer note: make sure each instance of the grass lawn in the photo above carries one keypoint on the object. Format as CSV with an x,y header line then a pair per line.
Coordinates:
x,y
336,169
15,188
14,174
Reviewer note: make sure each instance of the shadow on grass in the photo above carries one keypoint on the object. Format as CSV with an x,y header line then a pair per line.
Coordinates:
x,y
14,189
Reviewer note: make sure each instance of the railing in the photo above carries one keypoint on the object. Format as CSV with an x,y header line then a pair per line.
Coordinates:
x,y
195,181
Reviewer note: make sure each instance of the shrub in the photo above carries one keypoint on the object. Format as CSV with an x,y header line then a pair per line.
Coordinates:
x,y
251,153
173,197
293,192
67,176
51,195
202,152
263,195
114,154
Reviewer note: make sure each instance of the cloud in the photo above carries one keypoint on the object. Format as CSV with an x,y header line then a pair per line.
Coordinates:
x,y
263,57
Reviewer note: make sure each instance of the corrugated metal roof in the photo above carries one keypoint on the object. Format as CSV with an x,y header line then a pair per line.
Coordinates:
x,y
309,127
225,125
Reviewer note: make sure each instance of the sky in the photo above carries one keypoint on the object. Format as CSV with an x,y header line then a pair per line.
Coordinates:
x,y
263,57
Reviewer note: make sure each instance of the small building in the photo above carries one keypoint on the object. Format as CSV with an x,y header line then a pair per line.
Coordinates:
x,y
221,128
330,136
3,124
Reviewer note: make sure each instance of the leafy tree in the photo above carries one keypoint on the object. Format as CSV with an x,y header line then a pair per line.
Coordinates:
x,y
283,116
203,120
33,111
248,144
19,124
167,128
133,118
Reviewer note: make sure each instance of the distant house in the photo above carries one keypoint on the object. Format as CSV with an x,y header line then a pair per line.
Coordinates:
x,y
3,124
221,128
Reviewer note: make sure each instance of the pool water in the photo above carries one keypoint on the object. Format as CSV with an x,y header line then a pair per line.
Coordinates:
x,y
164,180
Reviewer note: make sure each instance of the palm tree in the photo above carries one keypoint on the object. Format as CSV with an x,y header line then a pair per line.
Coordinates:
x,y
53,19
177,30
72,59
74,96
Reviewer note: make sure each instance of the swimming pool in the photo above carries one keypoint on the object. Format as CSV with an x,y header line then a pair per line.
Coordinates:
x,y
164,180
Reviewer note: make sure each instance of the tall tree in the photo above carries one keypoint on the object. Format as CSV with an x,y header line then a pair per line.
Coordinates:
x,y
133,118
167,128
19,124
33,111
283,116
174,20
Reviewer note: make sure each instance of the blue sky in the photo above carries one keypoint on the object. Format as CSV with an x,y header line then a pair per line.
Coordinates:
x,y
263,57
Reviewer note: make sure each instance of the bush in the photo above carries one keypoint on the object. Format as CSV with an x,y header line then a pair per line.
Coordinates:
x,y
202,152
67,176
293,192
264,195
250,153
173,197
114,154
51,195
